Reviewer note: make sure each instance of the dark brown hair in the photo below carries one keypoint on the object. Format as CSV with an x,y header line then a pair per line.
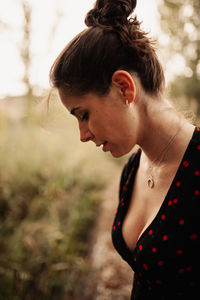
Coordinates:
x,y
112,42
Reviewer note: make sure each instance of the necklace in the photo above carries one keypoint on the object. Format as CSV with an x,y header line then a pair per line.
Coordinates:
x,y
150,181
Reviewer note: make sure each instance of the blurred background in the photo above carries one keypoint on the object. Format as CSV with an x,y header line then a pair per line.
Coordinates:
x,y
50,192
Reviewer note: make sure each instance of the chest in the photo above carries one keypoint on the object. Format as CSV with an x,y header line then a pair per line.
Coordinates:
x,y
144,204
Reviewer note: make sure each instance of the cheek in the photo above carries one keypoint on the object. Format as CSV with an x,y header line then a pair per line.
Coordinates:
x,y
97,124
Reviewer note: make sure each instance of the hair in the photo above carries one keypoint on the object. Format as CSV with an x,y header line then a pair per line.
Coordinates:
x,y
113,41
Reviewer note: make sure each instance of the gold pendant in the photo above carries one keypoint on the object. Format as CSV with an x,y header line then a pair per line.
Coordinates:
x,y
150,182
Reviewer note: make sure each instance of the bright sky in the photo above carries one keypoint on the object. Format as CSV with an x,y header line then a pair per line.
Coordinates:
x,y
54,24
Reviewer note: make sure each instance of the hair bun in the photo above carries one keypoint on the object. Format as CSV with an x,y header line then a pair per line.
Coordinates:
x,y
110,12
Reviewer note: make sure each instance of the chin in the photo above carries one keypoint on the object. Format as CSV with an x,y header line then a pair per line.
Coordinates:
x,y
118,155
121,152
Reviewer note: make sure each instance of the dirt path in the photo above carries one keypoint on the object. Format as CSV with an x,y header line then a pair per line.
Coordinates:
x,y
113,275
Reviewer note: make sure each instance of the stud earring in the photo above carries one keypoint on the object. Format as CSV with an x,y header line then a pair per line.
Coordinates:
x,y
126,101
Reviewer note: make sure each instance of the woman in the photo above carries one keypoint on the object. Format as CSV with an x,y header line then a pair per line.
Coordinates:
x,y
110,79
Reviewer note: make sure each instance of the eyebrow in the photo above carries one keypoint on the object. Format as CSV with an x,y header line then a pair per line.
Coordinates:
x,y
72,111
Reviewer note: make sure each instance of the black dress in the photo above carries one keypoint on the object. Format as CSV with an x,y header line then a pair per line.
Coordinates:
x,y
166,259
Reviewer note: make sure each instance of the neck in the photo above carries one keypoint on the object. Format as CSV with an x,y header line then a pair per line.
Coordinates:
x,y
166,130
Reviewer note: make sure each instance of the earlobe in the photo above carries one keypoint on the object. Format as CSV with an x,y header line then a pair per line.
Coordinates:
x,y
125,84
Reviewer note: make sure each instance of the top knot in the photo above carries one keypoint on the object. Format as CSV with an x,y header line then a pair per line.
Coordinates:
x,y
110,12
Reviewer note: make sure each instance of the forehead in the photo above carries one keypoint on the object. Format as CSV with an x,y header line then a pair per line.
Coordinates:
x,y
74,102
70,101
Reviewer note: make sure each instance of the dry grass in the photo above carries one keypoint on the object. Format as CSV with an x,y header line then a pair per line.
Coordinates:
x,y
50,188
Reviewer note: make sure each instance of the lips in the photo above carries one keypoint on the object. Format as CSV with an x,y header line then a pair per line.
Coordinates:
x,y
102,144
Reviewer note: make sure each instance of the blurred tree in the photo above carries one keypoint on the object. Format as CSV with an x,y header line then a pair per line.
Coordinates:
x,y
25,44
25,49
20,34
181,22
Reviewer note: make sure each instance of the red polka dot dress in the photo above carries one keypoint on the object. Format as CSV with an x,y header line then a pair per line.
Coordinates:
x,y
166,259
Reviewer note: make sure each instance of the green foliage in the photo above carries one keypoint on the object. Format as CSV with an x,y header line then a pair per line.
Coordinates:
x,y
49,196
180,20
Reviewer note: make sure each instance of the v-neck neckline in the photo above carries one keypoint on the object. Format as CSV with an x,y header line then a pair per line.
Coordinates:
x,y
176,178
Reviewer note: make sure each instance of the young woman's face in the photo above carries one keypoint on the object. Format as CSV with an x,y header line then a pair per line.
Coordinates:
x,y
104,120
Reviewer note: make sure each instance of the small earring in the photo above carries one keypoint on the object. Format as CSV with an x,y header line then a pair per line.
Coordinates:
x,y
126,101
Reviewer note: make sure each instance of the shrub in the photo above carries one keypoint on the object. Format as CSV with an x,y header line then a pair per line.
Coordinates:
x,y
49,196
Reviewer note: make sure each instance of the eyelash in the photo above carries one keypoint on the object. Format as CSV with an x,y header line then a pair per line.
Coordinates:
x,y
85,117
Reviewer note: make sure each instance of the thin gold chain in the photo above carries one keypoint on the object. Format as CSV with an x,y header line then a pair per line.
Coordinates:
x,y
150,181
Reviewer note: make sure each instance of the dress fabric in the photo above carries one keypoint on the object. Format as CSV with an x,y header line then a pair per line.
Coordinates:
x,y
166,259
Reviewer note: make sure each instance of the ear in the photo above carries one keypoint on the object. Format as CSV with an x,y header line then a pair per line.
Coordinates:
x,y
126,85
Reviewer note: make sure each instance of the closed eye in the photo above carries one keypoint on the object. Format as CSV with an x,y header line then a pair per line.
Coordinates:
x,y
85,117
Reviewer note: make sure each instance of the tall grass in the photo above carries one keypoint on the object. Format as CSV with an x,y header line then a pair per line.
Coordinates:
x,y
50,188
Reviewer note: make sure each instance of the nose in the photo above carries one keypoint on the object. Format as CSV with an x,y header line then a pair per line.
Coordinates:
x,y
85,133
